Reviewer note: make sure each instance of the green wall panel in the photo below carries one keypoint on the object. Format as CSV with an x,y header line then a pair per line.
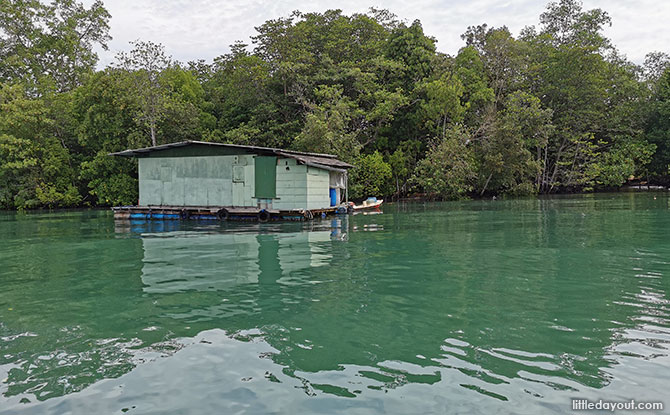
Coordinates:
x,y
265,177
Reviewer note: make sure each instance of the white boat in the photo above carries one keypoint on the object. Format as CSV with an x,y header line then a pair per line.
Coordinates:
x,y
371,204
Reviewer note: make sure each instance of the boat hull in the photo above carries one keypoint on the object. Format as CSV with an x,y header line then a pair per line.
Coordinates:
x,y
374,206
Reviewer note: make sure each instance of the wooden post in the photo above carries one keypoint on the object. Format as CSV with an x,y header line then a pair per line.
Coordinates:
x,y
346,187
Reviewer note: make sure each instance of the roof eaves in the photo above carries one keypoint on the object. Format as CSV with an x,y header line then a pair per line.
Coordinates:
x,y
324,167
314,160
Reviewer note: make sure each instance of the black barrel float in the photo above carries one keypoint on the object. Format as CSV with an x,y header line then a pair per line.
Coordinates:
x,y
222,214
264,216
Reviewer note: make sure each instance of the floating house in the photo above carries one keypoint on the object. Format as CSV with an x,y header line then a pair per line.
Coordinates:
x,y
196,179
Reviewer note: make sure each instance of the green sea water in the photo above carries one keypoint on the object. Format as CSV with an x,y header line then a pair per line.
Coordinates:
x,y
485,307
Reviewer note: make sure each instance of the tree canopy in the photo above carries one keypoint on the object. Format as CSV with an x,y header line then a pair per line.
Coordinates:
x,y
557,108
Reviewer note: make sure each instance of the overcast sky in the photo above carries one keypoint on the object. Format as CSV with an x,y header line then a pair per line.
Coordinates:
x,y
204,29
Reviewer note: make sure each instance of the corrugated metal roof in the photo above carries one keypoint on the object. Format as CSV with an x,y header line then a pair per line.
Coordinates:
x,y
315,159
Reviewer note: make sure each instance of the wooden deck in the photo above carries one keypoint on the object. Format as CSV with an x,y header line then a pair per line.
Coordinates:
x,y
221,213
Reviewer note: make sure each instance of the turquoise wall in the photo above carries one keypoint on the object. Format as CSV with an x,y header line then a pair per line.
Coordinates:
x,y
227,180
318,188
291,185
196,181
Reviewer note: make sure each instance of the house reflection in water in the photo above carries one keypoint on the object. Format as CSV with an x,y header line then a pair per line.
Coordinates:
x,y
178,261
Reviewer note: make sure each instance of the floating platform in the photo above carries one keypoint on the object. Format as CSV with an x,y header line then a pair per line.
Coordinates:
x,y
222,213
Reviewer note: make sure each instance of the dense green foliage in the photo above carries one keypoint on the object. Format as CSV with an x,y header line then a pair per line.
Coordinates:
x,y
555,109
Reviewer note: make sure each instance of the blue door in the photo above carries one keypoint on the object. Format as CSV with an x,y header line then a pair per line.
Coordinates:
x,y
333,197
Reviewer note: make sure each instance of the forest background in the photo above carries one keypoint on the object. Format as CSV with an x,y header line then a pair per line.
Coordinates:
x,y
555,109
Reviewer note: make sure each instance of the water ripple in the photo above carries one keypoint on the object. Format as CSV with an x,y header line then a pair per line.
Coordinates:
x,y
513,306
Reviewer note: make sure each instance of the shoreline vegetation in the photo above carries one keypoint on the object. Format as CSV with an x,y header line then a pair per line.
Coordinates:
x,y
420,198
554,109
